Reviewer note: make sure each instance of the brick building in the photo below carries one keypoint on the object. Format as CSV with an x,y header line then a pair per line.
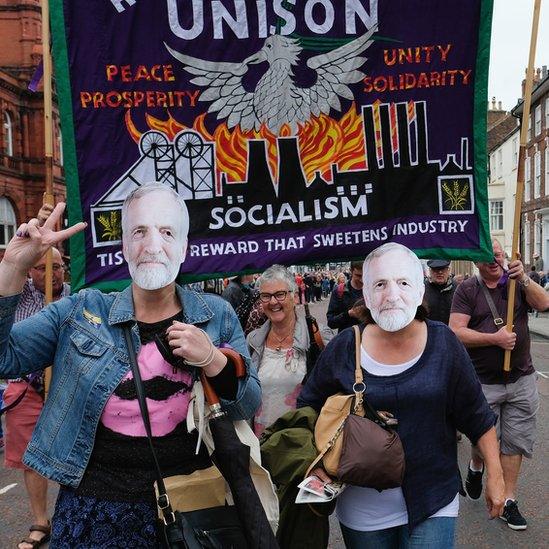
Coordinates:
x,y
535,205
22,119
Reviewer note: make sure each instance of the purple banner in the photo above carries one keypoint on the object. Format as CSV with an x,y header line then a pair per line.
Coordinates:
x,y
296,131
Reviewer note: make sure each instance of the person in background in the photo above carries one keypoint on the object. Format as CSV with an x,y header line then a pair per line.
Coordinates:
x,y
309,280
21,418
341,313
418,371
90,437
237,290
325,285
279,349
439,290
300,291
317,287
514,397
537,261
534,275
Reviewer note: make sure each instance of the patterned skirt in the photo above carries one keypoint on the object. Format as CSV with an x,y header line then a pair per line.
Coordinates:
x,y
91,523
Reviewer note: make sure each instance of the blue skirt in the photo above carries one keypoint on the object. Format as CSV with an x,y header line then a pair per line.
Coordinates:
x,y
91,523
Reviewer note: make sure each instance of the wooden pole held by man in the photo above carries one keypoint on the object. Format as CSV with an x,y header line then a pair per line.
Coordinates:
x,y
520,172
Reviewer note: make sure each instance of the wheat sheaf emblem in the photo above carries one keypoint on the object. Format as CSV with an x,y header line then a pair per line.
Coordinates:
x,y
454,196
112,228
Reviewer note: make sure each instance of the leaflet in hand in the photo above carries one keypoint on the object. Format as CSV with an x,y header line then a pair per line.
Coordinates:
x,y
314,490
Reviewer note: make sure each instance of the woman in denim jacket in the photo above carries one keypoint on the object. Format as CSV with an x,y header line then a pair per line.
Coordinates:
x,y
90,437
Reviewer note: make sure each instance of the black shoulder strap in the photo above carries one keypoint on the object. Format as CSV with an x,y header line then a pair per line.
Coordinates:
x,y
498,321
15,402
163,500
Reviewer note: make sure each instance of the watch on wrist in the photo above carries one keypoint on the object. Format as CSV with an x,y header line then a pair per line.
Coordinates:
x,y
525,282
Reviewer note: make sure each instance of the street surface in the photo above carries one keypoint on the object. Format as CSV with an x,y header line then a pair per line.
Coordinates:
x,y
474,528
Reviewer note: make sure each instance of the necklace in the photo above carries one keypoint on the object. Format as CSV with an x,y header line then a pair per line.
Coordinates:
x,y
280,340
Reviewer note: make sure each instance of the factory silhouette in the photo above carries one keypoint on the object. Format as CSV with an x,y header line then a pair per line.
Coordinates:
x,y
399,183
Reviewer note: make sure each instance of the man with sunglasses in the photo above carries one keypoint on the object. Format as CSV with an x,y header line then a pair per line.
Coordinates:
x,y
513,397
29,391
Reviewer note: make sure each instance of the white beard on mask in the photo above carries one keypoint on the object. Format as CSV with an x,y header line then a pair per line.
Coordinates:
x,y
393,320
153,276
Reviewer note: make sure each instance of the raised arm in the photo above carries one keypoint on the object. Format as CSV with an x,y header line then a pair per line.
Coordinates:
x,y
29,244
535,295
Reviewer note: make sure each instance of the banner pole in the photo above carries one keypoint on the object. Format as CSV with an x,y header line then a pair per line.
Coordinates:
x,y
525,121
48,150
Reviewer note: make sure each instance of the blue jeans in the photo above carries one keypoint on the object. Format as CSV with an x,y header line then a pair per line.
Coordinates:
x,y
433,533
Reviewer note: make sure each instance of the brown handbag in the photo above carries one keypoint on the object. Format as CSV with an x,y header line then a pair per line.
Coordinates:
x,y
357,444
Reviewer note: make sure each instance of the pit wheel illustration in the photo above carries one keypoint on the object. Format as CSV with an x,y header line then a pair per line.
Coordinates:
x,y
154,145
189,144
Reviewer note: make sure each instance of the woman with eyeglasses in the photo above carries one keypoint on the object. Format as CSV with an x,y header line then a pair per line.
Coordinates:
x,y
279,348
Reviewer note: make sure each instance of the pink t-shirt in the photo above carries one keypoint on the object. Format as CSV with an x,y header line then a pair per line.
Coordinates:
x,y
123,416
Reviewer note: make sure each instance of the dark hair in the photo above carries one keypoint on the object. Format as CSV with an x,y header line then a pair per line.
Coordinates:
x,y
356,265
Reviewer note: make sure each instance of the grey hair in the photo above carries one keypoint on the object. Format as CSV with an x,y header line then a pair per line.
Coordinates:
x,y
393,247
154,187
278,272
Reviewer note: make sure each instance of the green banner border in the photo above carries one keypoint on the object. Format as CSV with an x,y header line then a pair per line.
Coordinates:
x,y
70,164
77,242
480,115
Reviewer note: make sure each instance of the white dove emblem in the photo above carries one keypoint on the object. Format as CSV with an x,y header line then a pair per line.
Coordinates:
x,y
276,99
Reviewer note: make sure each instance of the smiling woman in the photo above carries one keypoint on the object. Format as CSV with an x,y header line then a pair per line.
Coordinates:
x,y
280,347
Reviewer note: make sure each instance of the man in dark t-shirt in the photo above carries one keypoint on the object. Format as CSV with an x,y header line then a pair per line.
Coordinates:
x,y
514,398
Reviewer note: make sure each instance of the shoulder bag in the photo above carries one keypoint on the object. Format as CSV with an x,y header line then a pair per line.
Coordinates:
x,y
358,445
212,528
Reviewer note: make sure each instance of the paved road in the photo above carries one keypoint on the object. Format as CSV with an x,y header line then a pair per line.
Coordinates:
x,y
474,529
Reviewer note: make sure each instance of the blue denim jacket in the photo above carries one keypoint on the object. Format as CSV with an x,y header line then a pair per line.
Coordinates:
x,y
82,337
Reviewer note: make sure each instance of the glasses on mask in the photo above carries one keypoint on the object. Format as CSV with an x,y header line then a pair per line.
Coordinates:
x,y
265,297
55,268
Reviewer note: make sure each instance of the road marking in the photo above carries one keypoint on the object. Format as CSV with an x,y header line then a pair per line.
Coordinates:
x,y
543,374
7,488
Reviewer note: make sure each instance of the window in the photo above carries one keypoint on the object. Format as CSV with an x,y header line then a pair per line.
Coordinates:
x,y
537,175
537,126
515,152
527,179
496,215
7,221
526,240
529,136
7,132
537,237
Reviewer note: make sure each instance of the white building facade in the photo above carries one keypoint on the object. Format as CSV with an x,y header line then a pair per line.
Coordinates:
x,y
502,185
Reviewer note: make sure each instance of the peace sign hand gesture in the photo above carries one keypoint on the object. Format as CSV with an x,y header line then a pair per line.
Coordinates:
x,y
31,241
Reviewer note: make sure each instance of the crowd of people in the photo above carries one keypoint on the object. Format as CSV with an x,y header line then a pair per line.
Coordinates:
x,y
431,355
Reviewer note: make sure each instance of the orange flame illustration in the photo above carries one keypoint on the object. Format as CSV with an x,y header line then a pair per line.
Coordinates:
x,y
322,142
